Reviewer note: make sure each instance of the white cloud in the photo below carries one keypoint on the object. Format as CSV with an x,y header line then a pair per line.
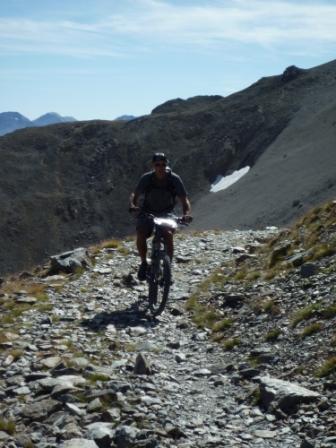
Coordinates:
x,y
144,23
245,21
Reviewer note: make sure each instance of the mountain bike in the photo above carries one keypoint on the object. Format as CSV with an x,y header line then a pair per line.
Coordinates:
x,y
159,274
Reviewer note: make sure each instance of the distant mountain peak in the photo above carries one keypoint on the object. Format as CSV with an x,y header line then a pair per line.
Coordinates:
x,y
11,121
125,117
51,118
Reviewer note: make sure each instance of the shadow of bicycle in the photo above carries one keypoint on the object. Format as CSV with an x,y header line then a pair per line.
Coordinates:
x,y
136,315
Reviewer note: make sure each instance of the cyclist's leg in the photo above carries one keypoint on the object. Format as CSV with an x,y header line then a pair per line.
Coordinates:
x,y
144,229
168,236
141,243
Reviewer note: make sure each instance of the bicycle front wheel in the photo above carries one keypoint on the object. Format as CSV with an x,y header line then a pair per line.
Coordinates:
x,y
159,284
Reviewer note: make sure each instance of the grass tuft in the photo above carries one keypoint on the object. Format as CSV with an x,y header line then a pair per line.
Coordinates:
x,y
8,426
311,329
266,306
328,367
230,344
221,325
329,312
305,313
94,377
273,335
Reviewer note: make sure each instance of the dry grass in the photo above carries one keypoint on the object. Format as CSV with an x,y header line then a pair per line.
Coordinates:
x,y
268,306
305,313
313,236
230,344
222,325
311,329
329,312
327,368
273,335
94,377
117,245
14,286
7,426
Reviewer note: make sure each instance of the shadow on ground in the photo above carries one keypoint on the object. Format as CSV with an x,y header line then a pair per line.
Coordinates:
x,y
136,314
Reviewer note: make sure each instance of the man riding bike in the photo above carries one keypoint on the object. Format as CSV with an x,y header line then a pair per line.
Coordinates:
x,y
159,189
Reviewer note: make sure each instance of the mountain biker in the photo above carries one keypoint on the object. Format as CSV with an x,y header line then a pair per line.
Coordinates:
x,y
159,189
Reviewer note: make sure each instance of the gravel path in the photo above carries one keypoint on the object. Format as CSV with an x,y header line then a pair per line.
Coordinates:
x,y
92,368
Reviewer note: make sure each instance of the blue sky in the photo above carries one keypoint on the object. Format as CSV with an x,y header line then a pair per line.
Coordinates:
x,y
104,58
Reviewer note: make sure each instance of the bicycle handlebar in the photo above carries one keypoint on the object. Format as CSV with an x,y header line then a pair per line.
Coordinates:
x,y
182,220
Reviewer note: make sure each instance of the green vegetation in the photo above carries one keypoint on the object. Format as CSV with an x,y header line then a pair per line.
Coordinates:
x,y
110,244
311,329
253,275
266,306
327,368
94,377
255,397
8,426
206,316
14,285
311,238
221,325
314,310
29,444
116,244
16,353
273,335
11,309
203,315
230,344
329,312
305,313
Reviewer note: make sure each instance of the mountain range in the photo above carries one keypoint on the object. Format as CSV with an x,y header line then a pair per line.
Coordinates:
x,y
68,184
11,121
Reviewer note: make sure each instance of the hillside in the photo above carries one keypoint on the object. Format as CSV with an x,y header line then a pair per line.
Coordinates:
x,y
68,184
244,354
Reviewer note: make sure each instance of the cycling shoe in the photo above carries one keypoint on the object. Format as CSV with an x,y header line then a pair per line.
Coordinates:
x,y
142,271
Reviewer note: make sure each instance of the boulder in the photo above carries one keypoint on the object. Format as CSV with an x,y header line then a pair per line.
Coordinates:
x,y
292,72
125,436
283,394
79,443
41,409
69,262
102,433
308,269
141,366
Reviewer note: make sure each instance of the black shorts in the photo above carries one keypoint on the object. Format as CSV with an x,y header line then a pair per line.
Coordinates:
x,y
145,223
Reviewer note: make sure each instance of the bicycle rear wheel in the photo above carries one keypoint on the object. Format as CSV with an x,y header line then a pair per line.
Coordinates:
x,y
159,284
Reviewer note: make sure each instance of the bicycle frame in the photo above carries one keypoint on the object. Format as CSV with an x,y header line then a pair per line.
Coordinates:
x,y
158,242
159,274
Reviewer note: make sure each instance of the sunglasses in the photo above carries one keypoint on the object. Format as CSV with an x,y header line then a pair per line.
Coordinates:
x,y
160,164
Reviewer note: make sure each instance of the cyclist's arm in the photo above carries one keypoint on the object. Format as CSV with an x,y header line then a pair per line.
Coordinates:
x,y
186,207
139,190
133,199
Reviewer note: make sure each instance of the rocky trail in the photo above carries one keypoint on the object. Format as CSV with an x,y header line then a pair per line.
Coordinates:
x,y
83,367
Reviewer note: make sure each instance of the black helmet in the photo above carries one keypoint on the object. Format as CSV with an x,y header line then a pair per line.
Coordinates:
x,y
159,156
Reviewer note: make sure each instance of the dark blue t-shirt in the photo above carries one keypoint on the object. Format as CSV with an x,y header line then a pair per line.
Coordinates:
x,y
160,194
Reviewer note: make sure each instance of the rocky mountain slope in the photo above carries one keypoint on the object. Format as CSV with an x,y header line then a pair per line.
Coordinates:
x,y
69,184
12,121
244,355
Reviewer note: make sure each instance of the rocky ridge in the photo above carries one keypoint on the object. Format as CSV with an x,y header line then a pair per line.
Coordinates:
x,y
227,364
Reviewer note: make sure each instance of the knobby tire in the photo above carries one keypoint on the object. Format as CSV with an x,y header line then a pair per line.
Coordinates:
x,y
159,285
